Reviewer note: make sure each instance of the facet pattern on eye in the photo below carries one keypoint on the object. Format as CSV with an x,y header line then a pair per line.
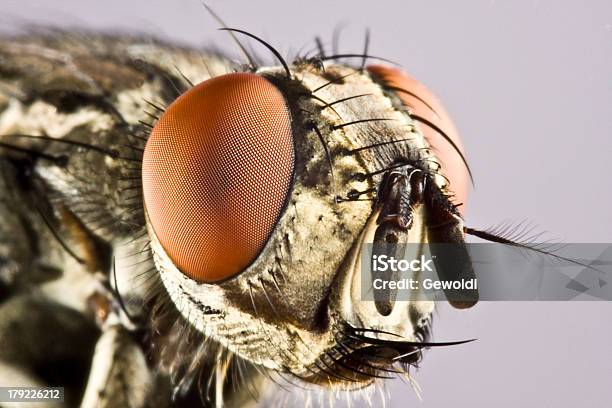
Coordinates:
x,y
217,169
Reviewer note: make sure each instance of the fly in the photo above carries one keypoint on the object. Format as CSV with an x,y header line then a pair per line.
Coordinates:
x,y
196,225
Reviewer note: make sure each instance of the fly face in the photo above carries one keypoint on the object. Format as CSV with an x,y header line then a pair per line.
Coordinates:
x,y
260,189
255,192
221,244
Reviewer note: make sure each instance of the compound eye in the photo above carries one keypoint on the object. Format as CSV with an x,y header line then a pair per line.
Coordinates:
x,y
216,172
423,103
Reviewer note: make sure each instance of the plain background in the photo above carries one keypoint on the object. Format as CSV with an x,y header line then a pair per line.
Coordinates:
x,y
529,84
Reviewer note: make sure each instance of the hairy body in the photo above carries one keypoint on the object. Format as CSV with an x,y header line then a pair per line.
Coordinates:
x,y
76,241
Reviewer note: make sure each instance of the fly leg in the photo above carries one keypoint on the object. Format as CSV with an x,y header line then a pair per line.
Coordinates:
x,y
22,264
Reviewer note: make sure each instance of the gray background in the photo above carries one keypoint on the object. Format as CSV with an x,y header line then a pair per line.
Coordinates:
x,y
529,84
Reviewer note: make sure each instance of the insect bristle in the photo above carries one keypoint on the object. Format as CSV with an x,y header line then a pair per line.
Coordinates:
x,y
523,237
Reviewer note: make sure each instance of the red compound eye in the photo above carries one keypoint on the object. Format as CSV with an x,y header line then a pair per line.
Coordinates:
x,y
424,104
216,172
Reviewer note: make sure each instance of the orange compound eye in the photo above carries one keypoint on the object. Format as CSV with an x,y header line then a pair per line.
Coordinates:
x,y
216,172
423,103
